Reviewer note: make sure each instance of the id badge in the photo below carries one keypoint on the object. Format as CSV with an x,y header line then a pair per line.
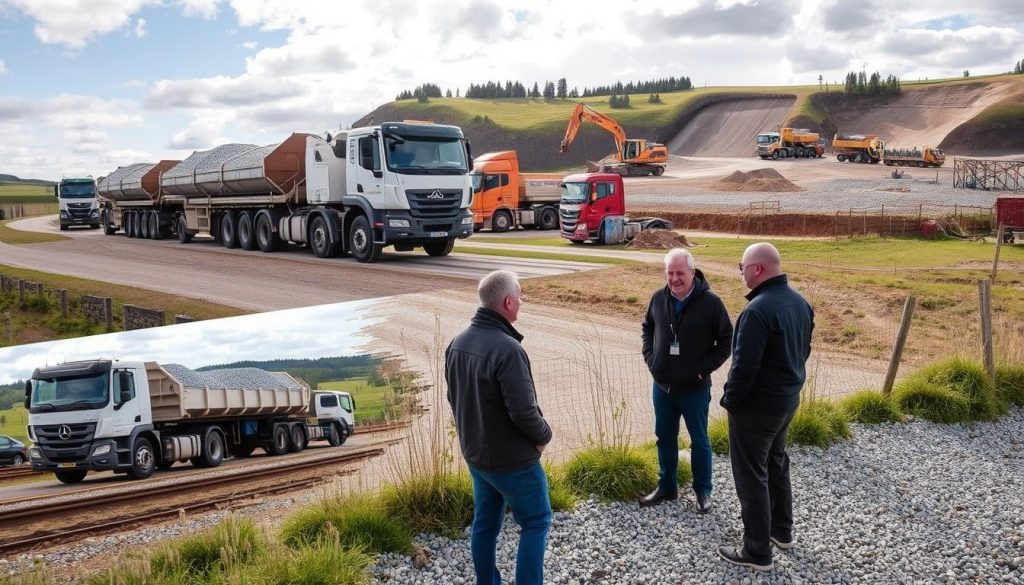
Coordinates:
x,y
674,348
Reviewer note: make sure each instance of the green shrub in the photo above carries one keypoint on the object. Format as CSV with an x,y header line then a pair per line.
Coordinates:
x,y
718,433
356,521
684,473
323,563
870,407
969,380
931,402
612,473
440,503
230,542
817,423
563,499
1010,383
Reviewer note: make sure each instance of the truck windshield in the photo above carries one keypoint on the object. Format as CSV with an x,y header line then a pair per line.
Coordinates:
x,y
575,192
413,155
76,393
765,138
77,190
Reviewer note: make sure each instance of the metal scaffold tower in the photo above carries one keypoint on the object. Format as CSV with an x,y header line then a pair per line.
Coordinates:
x,y
991,175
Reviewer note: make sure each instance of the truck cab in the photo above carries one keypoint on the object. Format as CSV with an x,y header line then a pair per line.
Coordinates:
x,y
78,202
504,198
588,201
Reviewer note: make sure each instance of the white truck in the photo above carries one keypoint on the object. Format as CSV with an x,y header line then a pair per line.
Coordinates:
x,y
135,417
77,202
401,184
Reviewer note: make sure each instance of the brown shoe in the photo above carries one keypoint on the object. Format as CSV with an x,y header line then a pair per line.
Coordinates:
x,y
703,503
656,497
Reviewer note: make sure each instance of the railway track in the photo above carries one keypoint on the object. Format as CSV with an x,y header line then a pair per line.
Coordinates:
x,y
18,472
65,518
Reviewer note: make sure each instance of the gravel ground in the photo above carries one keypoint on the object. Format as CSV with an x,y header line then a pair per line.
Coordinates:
x,y
908,503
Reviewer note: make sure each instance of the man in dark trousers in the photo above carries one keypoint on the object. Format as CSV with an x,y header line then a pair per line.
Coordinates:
x,y
769,352
686,336
502,431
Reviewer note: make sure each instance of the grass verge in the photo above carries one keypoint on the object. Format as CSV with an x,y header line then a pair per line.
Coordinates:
x,y
870,407
10,235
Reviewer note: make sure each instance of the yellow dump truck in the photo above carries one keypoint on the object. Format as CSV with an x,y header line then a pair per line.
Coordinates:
x,y
919,156
858,148
789,142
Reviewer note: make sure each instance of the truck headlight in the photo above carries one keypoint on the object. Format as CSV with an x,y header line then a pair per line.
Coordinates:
x,y
399,223
101,449
63,213
35,453
467,220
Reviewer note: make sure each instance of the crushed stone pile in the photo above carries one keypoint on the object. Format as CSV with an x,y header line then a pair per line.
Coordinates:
x,y
656,239
756,180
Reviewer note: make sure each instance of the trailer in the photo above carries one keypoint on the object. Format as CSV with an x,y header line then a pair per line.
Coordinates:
x,y
136,417
858,148
1010,216
918,156
504,198
400,184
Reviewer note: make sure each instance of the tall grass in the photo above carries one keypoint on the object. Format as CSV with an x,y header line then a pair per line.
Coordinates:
x,y
931,402
1010,383
967,379
870,407
718,434
817,423
612,473
324,562
231,542
357,521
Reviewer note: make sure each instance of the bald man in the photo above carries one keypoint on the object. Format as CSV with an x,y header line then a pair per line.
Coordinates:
x,y
770,347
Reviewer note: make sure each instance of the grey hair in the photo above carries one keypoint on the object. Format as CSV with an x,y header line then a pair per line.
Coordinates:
x,y
679,253
495,287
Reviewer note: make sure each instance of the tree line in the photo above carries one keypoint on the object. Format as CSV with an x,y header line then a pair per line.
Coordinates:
x,y
1018,67
873,85
312,371
551,90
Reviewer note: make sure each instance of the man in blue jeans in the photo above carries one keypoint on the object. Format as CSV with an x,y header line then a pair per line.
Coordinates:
x,y
502,431
686,336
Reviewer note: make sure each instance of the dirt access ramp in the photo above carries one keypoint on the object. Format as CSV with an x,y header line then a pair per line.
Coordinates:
x,y
728,128
923,116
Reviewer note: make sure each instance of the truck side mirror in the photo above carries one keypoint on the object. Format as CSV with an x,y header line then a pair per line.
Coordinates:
x,y
125,382
28,393
469,154
56,191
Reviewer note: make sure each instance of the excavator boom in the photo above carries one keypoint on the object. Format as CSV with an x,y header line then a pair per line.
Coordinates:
x,y
585,112
639,156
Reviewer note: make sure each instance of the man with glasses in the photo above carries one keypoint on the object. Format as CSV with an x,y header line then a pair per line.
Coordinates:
x,y
686,335
770,348
502,431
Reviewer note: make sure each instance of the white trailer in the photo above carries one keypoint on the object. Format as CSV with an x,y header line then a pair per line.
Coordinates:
x,y
135,417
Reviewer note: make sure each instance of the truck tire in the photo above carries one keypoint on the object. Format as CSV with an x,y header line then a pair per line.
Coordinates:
x,y
841,157
228,230
70,476
213,449
658,171
143,459
775,155
108,226
246,231
297,441
181,229
320,240
438,249
501,221
361,242
279,441
154,226
142,218
126,221
547,218
266,238
335,437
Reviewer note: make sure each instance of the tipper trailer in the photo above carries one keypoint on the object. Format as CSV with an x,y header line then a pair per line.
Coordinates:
x,y
919,156
858,148
504,198
789,143
135,417
401,184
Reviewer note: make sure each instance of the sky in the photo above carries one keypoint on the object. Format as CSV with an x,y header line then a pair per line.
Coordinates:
x,y
90,85
293,333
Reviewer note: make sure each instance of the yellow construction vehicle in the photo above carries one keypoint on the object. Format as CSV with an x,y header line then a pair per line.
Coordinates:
x,y
632,156
858,148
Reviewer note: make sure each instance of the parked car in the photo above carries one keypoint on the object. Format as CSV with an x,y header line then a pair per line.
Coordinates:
x,y
12,451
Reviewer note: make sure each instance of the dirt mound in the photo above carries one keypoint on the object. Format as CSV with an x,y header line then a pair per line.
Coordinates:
x,y
659,240
756,180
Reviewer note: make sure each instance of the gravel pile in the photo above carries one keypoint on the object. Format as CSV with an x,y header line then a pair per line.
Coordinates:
x,y
908,503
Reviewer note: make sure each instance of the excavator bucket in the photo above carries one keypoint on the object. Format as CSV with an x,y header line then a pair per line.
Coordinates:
x,y
593,167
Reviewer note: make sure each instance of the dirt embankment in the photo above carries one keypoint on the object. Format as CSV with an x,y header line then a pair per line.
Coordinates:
x,y
727,128
996,131
759,180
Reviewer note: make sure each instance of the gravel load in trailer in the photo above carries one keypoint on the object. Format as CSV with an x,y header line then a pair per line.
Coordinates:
x,y
178,392
136,182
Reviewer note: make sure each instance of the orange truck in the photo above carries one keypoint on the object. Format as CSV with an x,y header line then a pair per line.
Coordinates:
x,y
789,142
919,156
858,148
504,198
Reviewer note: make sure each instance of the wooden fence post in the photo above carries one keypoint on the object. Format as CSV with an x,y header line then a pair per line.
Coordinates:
x,y
901,341
108,312
63,293
985,297
999,244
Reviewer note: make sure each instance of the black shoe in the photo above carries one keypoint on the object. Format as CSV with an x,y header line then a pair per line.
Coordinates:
x,y
737,557
656,497
703,503
784,544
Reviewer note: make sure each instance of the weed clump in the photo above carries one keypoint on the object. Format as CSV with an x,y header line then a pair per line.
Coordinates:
x,y
870,407
1010,383
612,473
353,522
818,423
960,377
441,502
931,402
718,433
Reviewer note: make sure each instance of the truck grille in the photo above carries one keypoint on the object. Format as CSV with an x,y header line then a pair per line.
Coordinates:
x,y
569,218
72,446
79,210
435,204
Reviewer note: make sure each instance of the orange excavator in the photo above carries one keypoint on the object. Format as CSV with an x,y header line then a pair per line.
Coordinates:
x,y
632,156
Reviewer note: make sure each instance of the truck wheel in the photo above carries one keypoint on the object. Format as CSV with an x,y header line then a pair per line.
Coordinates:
x,y
154,226
181,230
775,155
279,443
228,230
143,459
266,238
246,233
438,249
213,449
361,242
108,226
841,157
298,439
335,437
143,219
70,475
126,221
549,218
658,171
18,460
320,239
501,221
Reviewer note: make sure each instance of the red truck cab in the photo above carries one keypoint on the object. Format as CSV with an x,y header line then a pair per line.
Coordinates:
x,y
587,200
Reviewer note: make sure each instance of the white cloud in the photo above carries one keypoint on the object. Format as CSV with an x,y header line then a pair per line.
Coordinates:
x,y
251,45
202,133
952,50
204,8
3,68
74,23
140,28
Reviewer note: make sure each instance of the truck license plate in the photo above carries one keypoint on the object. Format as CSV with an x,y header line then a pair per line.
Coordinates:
x,y
65,465
439,234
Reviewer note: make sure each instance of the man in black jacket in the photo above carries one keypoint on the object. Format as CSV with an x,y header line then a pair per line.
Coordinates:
x,y
686,336
502,431
769,353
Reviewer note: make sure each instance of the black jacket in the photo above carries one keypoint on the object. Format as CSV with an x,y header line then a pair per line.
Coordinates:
x,y
770,350
490,389
703,330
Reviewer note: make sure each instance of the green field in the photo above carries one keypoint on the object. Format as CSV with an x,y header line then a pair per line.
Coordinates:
x,y
371,401
16,419
21,193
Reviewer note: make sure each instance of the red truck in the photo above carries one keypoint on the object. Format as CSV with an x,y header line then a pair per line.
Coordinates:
x,y
1010,215
593,208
